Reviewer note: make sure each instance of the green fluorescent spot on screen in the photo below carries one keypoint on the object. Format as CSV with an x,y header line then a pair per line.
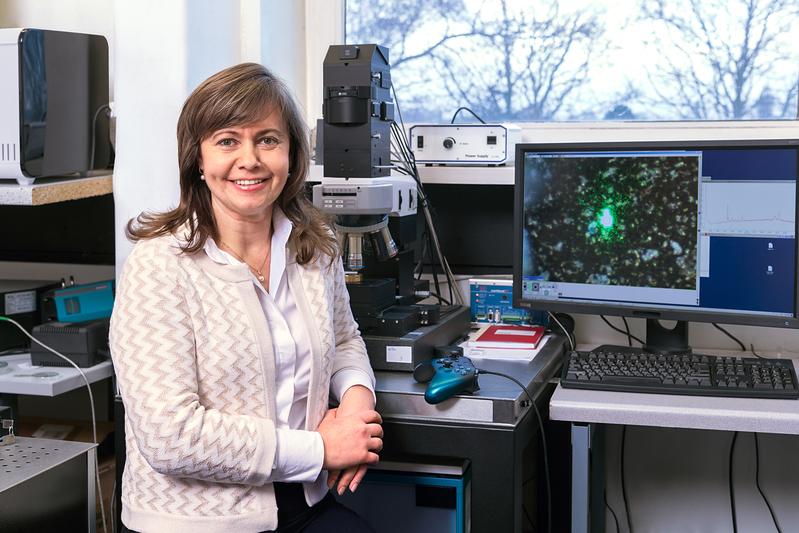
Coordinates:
x,y
606,218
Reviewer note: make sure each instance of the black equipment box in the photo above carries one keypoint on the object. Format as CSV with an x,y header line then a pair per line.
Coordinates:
x,y
406,351
84,343
369,297
20,301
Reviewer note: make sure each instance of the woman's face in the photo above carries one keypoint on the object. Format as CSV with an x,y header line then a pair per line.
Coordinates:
x,y
246,168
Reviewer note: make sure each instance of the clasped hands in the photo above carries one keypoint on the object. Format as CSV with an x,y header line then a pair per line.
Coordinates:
x,y
352,437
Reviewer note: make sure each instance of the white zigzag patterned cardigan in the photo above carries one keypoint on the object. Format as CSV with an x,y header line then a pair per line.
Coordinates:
x,y
193,357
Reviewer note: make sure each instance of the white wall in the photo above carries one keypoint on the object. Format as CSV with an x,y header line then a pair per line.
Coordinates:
x,y
85,16
159,60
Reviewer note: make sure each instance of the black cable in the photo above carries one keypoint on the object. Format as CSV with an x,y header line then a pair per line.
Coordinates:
x,y
629,335
730,335
405,150
627,329
410,166
759,488
543,439
612,512
401,146
406,153
752,349
553,318
433,268
527,515
475,115
623,483
441,299
419,268
104,107
449,287
732,485
396,102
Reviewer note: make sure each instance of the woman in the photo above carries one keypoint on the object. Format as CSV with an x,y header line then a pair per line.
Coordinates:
x,y
232,327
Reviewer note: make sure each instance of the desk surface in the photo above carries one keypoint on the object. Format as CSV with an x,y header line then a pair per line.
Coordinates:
x,y
676,411
21,377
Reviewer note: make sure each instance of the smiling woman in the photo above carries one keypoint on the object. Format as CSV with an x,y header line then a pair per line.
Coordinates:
x,y
245,169
233,101
232,331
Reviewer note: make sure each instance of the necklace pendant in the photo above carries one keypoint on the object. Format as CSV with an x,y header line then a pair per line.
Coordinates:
x,y
261,278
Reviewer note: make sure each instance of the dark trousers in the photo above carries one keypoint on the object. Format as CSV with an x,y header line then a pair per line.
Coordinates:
x,y
327,516
294,515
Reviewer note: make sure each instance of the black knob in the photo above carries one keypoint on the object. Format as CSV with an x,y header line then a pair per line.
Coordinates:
x,y
449,142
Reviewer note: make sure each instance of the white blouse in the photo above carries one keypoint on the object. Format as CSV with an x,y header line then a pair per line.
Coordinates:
x,y
300,453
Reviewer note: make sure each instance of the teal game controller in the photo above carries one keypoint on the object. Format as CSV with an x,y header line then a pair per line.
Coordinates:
x,y
446,376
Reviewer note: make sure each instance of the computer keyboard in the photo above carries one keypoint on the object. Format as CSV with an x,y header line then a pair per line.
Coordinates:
x,y
618,368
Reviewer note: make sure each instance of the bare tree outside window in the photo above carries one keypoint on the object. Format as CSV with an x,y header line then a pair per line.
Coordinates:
x,y
723,59
411,29
506,60
526,62
540,60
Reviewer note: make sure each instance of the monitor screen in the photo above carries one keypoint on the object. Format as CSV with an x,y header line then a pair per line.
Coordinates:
x,y
674,230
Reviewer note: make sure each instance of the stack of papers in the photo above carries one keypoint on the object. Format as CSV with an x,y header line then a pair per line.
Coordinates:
x,y
497,341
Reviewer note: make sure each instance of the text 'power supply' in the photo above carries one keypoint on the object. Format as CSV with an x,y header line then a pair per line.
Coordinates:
x,y
464,144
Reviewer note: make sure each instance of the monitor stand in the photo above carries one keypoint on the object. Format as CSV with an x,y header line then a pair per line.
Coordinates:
x,y
660,339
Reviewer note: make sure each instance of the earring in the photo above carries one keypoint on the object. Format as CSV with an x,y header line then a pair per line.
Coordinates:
x,y
202,176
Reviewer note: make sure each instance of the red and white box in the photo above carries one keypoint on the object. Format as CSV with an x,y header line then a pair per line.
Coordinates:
x,y
497,341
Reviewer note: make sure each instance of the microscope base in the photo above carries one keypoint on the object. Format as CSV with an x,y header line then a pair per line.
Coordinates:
x,y
405,352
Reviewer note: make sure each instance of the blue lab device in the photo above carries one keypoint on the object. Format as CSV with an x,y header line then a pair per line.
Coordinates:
x,y
79,303
492,302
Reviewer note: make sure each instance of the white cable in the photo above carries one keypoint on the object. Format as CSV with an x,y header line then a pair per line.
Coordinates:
x,y
114,507
568,335
91,404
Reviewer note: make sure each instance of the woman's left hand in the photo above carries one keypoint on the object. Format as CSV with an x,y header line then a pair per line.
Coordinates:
x,y
356,399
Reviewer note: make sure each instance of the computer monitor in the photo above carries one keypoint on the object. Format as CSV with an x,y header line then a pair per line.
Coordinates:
x,y
699,230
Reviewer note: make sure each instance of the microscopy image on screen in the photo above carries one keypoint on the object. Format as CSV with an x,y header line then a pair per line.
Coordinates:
x,y
612,220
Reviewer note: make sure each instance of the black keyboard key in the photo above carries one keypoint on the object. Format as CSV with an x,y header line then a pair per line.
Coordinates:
x,y
631,379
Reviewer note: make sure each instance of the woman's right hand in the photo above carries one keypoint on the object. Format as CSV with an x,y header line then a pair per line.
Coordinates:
x,y
351,439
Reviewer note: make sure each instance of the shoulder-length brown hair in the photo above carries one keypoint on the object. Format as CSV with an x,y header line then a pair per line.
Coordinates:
x,y
238,96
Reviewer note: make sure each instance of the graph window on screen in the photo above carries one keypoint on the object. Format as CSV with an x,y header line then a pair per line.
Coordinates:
x,y
705,229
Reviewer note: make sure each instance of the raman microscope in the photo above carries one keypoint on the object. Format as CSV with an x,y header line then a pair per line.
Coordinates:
x,y
375,214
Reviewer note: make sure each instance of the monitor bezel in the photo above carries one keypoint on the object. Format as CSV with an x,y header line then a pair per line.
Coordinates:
x,y
650,312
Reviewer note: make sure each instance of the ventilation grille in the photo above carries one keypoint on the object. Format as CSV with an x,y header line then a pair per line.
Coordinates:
x,y
8,152
22,456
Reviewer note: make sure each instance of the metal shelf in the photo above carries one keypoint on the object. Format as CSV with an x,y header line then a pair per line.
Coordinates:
x,y
21,377
502,175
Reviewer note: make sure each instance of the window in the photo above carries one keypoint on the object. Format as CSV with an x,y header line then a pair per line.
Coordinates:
x,y
537,60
